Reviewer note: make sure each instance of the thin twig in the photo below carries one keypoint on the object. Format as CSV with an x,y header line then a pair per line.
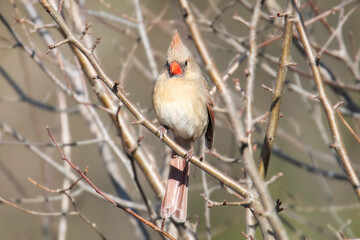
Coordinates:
x,y
211,203
145,40
64,157
348,126
58,167
64,192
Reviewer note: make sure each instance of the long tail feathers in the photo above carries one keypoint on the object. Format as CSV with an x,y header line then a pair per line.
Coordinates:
x,y
175,199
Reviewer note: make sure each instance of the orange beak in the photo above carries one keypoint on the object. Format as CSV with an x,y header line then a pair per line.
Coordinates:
x,y
175,69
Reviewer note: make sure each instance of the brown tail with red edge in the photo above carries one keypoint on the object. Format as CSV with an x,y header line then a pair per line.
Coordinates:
x,y
176,194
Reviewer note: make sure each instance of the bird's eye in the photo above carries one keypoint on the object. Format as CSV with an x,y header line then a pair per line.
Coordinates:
x,y
167,65
186,63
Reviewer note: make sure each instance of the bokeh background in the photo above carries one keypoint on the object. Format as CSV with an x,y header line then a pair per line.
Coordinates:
x,y
318,206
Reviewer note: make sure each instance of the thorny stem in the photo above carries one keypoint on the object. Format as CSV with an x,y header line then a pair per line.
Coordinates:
x,y
274,117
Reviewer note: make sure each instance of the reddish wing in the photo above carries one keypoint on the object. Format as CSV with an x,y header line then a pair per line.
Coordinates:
x,y
209,135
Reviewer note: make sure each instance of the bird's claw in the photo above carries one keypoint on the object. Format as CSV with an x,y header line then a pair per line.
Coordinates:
x,y
162,131
189,155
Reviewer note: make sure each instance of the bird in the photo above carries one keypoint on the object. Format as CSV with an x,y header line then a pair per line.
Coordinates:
x,y
182,104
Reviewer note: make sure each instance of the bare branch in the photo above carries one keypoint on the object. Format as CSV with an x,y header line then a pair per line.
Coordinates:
x,y
338,144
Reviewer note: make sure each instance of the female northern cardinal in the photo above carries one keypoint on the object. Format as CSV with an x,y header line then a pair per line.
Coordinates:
x,y
182,104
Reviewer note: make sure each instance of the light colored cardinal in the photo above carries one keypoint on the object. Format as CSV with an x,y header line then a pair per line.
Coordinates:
x,y
182,104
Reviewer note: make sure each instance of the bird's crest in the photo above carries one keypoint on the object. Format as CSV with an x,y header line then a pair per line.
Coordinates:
x,y
176,42
177,50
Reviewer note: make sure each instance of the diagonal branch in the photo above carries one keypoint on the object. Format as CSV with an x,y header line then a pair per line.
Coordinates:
x,y
226,180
